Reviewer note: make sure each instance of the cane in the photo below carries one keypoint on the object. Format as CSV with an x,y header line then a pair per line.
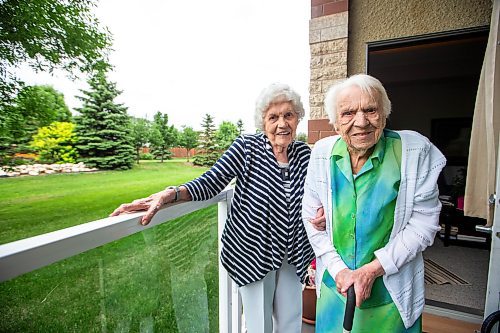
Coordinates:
x,y
349,309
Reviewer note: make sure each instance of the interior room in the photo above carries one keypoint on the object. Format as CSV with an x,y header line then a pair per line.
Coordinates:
x,y
432,82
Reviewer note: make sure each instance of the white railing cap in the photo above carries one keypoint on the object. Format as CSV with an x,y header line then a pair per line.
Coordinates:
x,y
28,254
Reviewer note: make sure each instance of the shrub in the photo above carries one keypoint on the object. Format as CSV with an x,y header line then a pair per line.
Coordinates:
x,y
146,156
54,143
167,155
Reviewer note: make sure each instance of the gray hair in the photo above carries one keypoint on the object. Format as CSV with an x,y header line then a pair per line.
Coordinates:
x,y
273,94
366,83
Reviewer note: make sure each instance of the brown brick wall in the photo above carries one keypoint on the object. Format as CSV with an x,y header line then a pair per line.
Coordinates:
x,y
181,152
176,151
327,7
318,129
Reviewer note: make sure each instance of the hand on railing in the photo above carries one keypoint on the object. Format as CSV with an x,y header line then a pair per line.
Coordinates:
x,y
151,205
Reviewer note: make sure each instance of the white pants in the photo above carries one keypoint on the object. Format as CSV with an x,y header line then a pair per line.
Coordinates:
x,y
274,304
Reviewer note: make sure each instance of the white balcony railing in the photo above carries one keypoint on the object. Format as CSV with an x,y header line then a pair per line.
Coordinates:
x,y
29,254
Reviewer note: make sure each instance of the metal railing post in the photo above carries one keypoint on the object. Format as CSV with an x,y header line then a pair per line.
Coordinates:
x,y
236,306
224,280
229,299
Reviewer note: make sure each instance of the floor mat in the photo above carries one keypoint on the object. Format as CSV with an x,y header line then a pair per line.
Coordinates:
x,y
437,274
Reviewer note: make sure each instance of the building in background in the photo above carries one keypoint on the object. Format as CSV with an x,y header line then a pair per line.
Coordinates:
x,y
437,60
428,54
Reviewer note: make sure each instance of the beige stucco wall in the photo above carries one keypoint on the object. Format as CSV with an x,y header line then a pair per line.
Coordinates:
x,y
377,20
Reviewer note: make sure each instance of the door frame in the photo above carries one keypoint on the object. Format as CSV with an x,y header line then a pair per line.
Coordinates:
x,y
493,286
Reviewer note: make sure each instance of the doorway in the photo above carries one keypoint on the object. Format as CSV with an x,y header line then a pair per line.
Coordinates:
x,y
432,82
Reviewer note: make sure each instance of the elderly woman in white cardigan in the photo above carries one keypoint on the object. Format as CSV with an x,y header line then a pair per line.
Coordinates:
x,y
379,191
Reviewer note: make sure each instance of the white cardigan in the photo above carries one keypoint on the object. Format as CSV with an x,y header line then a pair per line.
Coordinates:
x,y
416,220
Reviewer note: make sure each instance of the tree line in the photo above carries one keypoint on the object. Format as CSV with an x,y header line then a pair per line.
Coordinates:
x,y
50,35
103,135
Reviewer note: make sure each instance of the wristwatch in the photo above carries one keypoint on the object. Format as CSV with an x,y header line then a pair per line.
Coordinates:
x,y
177,192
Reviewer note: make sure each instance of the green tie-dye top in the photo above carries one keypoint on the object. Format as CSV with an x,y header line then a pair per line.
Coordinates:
x,y
363,205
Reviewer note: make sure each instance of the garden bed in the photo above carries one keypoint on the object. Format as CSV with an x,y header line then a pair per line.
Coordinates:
x,y
43,169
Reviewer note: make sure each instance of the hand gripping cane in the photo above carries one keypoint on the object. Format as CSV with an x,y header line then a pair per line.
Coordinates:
x,y
349,309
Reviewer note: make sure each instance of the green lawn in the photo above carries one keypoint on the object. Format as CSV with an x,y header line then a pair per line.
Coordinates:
x,y
163,279
35,205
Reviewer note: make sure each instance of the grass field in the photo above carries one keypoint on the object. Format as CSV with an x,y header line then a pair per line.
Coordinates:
x,y
163,279
35,205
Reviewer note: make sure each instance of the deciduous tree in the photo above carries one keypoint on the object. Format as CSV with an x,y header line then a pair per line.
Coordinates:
x,y
140,132
49,34
39,106
226,134
163,136
188,138
34,107
11,128
302,137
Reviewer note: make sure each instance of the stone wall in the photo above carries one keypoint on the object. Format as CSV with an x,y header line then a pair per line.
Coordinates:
x,y
43,169
328,43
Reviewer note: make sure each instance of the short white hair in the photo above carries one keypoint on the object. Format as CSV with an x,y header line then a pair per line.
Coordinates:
x,y
368,84
273,94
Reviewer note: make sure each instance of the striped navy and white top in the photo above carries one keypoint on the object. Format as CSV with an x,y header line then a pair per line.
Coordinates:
x,y
263,226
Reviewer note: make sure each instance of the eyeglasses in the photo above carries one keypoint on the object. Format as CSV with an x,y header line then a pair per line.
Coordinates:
x,y
346,117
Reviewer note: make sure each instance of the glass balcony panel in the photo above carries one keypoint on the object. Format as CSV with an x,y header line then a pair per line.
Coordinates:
x,y
163,279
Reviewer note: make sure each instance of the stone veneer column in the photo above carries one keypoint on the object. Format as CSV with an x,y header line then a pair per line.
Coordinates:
x,y
328,42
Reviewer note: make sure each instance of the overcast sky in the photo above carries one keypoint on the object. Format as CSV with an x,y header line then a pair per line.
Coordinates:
x,y
187,59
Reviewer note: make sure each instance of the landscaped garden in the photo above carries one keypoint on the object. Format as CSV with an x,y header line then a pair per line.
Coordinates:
x,y
163,279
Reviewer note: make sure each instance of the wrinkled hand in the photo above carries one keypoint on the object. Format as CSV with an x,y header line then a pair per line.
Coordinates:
x,y
344,280
319,221
362,279
151,205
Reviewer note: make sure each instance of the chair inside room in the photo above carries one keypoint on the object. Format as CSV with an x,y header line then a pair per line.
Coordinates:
x,y
456,228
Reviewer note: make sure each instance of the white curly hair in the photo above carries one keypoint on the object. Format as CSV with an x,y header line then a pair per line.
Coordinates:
x,y
367,83
273,94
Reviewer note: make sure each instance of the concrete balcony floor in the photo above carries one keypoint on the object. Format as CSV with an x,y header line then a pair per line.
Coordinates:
x,y
432,324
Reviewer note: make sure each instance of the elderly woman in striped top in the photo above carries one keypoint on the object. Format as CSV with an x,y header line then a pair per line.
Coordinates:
x,y
265,247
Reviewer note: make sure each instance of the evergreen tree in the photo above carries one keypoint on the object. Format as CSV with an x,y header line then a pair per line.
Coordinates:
x,y
163,137
239,124
103,127
207,144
